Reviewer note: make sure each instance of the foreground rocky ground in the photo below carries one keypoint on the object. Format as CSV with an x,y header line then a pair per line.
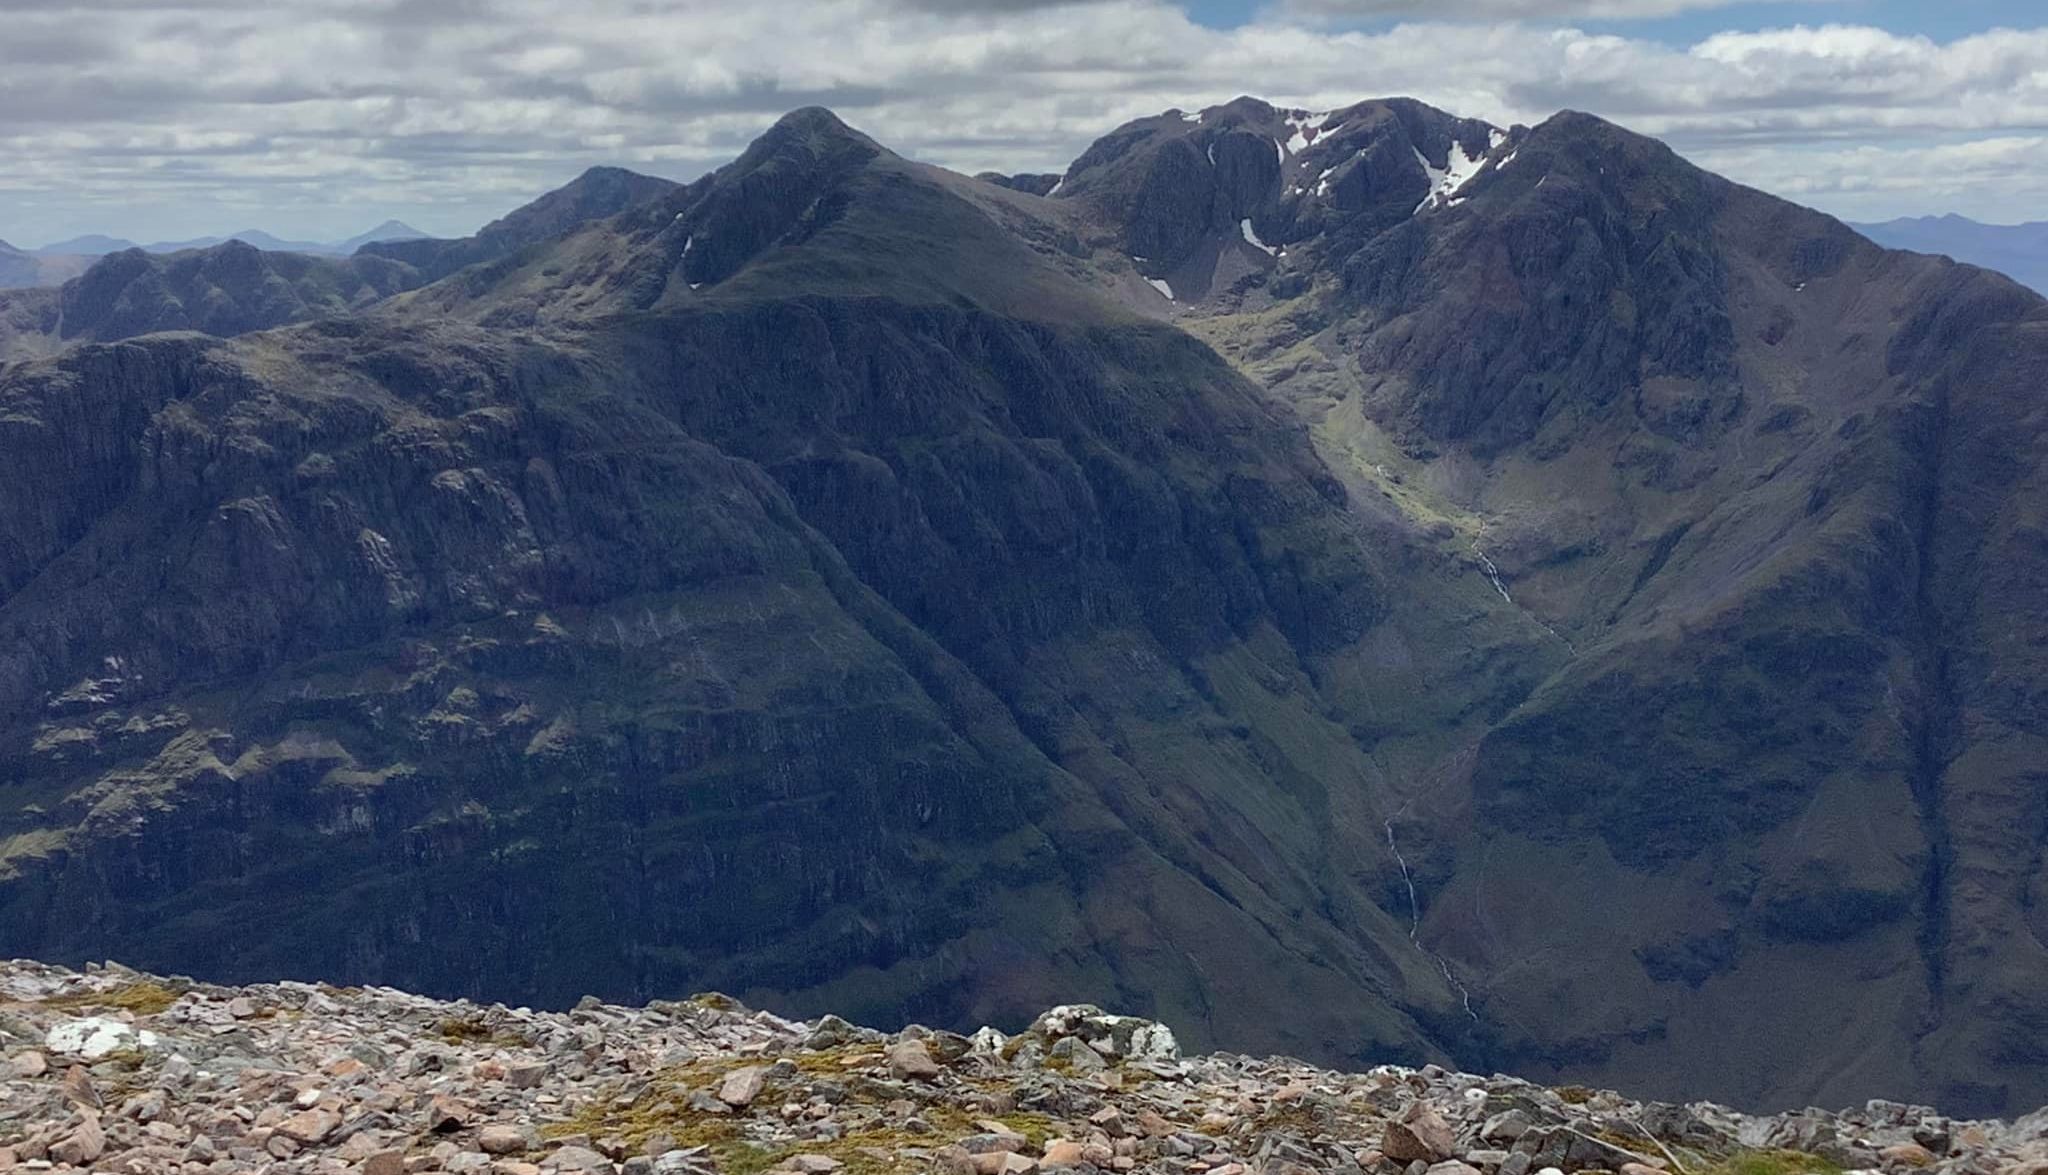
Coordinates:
x,y
113,1070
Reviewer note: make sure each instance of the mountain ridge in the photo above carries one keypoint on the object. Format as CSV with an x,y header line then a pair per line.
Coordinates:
x,y
100,245
1575,548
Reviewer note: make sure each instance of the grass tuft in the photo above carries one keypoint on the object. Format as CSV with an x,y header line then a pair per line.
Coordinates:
x,y
143,999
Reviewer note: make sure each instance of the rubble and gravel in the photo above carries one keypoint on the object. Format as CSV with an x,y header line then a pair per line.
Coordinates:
x,y
117,1071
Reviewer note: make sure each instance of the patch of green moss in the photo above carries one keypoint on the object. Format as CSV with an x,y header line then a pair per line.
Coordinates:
x,y
146,998
471,1030
1295,1117
128,1059
835,1061
1772,1162
1036,1128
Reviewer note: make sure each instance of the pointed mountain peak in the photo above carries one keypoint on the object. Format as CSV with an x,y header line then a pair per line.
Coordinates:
x,y
807,136
818,121
765,193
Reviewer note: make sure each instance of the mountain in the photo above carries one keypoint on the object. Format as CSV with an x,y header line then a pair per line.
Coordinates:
x,y
253,237
2020,251
390,230
597,193
90,245
16,267
1363,584
97,245
20,268
223,290
703,1086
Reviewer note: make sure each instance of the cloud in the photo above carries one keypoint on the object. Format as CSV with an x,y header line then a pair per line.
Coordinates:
x,y
1514,10
172,117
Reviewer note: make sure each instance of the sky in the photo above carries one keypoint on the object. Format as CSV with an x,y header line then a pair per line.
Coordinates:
x,y
316,119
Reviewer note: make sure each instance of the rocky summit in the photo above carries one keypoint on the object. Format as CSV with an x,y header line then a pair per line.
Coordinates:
x,y
114,1070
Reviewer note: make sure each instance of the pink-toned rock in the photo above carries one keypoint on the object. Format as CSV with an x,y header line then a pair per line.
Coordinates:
x,y
308,1127
83,1146
78,1088
742,1086
29,1065
1907,1154
1063,1153
446,1115
1421,1134
385,1163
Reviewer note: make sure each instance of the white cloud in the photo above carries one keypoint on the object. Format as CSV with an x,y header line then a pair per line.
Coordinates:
x,y
169,118
1512,9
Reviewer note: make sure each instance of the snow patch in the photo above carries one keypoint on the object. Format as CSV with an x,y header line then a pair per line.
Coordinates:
x,y
1055,189
1280,151
1212,155
1251,238
1445,181
1191,116
689,241
1306,127
1160,285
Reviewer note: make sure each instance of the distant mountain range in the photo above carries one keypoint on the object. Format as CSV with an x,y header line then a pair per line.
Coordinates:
x,y
99,245
2020,251
19,268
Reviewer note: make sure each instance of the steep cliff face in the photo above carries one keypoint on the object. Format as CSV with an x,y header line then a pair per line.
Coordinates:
x,y
1750,469
855,642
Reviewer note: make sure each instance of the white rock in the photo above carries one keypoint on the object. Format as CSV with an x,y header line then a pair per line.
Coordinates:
x,y
93,1037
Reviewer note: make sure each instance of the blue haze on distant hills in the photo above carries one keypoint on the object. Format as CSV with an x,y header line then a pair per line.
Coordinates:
x,y
2020,251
